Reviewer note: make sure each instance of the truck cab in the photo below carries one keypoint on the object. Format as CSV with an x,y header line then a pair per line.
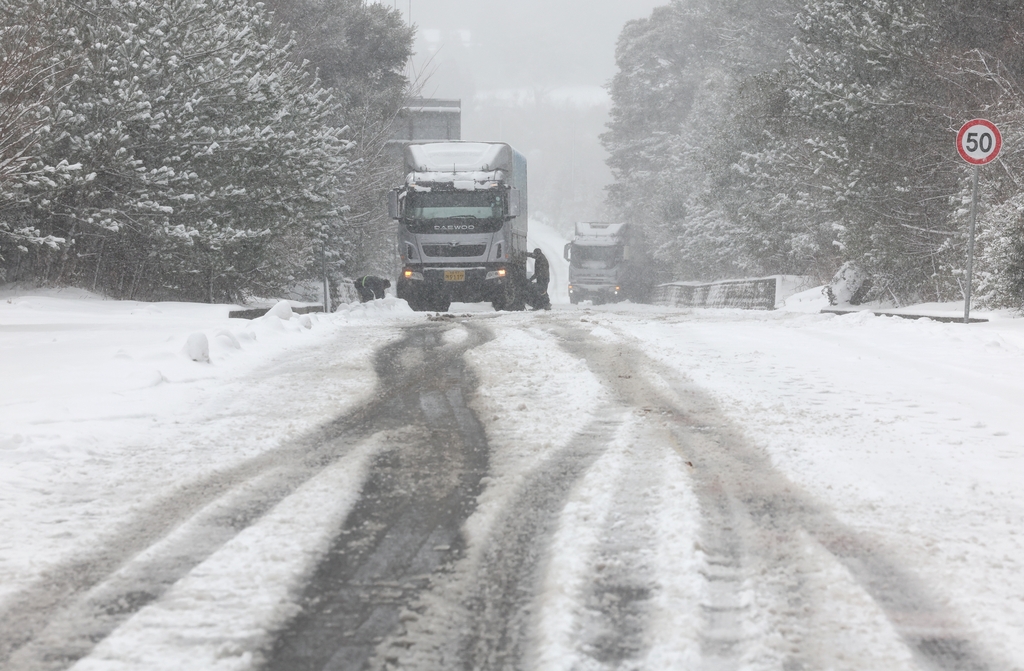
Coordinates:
x,y
605,263
462,216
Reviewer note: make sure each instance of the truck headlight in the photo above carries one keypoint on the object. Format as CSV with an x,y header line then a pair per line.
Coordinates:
x,y
496,274
411,274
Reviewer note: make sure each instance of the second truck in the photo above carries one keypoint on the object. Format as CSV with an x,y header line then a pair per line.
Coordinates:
x,y
462,223
606,264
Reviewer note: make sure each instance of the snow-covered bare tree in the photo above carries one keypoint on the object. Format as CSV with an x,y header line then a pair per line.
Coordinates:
x,y
32,76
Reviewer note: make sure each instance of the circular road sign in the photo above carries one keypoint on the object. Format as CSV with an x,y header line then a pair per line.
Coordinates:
x,y
979,141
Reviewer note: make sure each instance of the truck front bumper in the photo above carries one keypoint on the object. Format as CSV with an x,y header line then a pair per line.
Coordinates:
x,y
601,293
463,284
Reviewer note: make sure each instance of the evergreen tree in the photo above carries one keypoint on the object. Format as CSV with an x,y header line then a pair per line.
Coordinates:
x,y
211,163
743,158
360,51
676,133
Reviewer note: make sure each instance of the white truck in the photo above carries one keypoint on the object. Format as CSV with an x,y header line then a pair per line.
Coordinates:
x,y
606,264
462,221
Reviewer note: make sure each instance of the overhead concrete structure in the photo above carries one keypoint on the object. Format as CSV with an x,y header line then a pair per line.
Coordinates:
x,y
426,120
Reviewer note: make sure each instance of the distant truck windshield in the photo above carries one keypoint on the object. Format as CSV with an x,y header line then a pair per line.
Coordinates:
x,y
595,257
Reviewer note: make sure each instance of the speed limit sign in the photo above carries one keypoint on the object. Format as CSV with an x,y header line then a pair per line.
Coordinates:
x,y
979,141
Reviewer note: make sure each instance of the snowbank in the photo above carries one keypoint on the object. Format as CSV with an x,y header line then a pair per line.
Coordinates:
x,y
107,405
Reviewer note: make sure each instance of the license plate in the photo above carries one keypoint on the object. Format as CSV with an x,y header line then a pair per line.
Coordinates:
x,y
455,276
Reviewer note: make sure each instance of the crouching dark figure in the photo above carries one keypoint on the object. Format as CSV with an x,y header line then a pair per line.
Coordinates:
x,y
370,287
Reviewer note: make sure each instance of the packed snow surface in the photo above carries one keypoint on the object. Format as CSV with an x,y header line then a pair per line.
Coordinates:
x,y
908,432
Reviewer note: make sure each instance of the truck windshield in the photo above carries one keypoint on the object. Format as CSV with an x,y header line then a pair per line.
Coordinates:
x,y
595,257
454,211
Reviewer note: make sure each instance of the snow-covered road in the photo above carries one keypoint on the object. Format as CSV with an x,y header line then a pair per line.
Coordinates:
x,y
586,488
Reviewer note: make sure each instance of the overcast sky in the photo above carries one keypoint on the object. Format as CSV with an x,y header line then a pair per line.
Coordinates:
x,y
483,45
548,58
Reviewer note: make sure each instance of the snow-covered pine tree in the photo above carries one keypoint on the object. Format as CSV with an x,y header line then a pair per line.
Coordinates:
x,y
653,93
211,161
873,148
236,140
677,131
741,103
359,50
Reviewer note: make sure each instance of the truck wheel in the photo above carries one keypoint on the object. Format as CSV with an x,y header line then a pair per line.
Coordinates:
x,y
406,293
515,296
509,298
518,303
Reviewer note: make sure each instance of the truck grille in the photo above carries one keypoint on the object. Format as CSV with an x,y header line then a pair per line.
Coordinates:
x,y
449,251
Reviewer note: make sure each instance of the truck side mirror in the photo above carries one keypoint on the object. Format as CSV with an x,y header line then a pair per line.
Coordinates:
x,y
566,254
514,206
393,203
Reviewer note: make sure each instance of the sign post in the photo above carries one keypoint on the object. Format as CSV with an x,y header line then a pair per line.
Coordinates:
x,y
978,143
327,281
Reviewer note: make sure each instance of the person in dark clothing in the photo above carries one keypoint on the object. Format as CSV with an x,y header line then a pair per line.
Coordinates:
x,y
538,293
370,287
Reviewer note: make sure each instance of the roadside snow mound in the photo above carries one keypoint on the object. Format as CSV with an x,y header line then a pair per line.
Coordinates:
x,y
197,348
811,301
381,307
849,286
283,310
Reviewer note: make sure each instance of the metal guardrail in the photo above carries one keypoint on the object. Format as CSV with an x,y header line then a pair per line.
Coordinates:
x,y
904,315
254,313
752,294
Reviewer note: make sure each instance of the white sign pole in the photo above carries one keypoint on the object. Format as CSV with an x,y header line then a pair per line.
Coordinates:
x,y
970,248
327,281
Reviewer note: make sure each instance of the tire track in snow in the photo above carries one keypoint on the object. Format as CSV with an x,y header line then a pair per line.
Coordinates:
x,y
588,559
621,584
771,551
501,607
590,602
407,525
480,613
76,604
224,613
